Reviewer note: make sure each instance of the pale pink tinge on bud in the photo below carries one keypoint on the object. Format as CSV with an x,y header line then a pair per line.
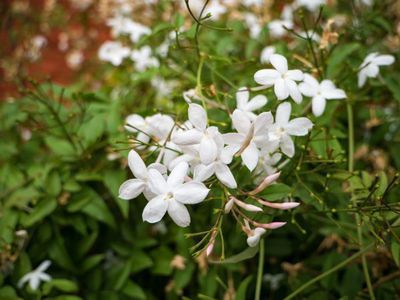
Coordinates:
x,y
272,225
266,182
229,205
210,248
282,206
247,207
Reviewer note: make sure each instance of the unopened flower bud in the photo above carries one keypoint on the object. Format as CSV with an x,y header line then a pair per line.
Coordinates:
x,y
229,205
282,206
266,182
247,207
272,225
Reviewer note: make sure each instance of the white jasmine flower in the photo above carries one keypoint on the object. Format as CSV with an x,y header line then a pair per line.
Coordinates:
x,y
164,88
311,5
123,25
370,66
36,276
143,59
268,160
256,3
250,136
214,7
113,52
283,80
282,129
218,167
200,134
172,194
132,188
243,103
253,23
266,54
277,28
320,92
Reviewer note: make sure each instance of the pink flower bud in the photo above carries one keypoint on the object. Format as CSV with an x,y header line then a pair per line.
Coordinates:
x,y
248,207
282,206
266,182
272,225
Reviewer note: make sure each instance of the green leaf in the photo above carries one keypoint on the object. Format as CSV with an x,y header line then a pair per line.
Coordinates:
x,y
242,289
59,146
395,248
250,252
133,290
43,209
276,191
338,56
63,285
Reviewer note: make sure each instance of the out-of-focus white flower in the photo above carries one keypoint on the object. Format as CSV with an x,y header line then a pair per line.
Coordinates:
x,y
190,95
143,59
124,25
283,80
250,136
320,92
75,59
214,7
199,135
253,23
256,3
266,54
278,28
243,103
311,34
172,194
163,87
113,52
282,129
274,280
132,188
311,5
36,276
370,66
268,159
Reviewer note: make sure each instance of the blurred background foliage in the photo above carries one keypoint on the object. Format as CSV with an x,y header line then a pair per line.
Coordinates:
x,y
63,157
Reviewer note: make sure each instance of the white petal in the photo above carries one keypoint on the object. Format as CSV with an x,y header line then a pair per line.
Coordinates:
x,y
299,126
208,150
131,188
34,282
311,81
135,121
262,122
242,97
250,156
333,94
279,62
294,91
280,89
191,193
256,103
197,116
307,90
178,213
362,78
159,167
233,138
188,137
203,172
266,76
157,183
295,75
283,113
227,153
240,121
287,145
24,280
253,241
155,209
318,105
384,60
178,174
137,165
43,266
224,175
44,277
372,70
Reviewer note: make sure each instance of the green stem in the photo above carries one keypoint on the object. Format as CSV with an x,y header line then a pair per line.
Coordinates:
x,y
260,271
327,273
357,216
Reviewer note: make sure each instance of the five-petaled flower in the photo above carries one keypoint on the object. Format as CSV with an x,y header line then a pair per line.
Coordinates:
x,y
36,276
283,79
320,92
172,194
370,66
